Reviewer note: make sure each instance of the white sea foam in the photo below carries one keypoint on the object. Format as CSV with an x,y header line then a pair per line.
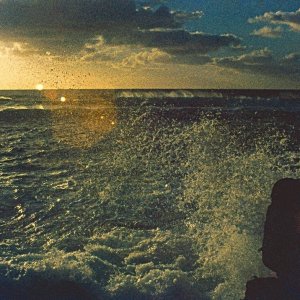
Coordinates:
x,y
15,107
5,98
111,219
168,94
22,107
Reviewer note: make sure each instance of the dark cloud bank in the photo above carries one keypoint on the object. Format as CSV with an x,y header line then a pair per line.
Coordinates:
x,y
120,22
264,62
68,27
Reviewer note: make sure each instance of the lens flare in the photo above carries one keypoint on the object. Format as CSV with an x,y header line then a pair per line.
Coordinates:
x,y
84,119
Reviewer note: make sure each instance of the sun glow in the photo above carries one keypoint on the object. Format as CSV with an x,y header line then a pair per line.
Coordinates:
x,y
39,87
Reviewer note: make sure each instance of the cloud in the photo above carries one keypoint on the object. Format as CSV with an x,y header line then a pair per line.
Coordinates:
x,y
192,59
157,45
178,41
263,61
152,2
122,55
256,58
178,17
292,58
268,32
183,16
291,19
145,57
82,15
132,56
74,14
110,30
98,50
16,49
156,57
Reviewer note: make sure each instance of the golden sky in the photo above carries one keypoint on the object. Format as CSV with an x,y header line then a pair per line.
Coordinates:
x,y
161,44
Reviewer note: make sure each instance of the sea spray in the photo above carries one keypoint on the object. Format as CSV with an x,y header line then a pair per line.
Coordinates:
x,y
226,194
168,203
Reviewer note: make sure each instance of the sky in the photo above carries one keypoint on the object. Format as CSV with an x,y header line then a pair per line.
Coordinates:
x,y
95,44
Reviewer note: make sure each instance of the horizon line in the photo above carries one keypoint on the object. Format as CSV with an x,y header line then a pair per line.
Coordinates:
x,y
154,89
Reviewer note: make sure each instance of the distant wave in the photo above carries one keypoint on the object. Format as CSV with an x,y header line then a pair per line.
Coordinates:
x,y
5,98
237,95
18,107
21,108
168,94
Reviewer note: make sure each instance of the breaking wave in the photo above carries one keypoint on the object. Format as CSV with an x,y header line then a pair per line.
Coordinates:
x,y
157,208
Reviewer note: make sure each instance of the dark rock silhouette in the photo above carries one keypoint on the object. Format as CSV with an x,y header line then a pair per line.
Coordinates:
x,y
264,289
281,245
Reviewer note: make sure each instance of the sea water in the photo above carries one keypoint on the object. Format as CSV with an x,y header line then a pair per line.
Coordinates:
x,y
139,194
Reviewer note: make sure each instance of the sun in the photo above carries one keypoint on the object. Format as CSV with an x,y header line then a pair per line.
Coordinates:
x,y
39,87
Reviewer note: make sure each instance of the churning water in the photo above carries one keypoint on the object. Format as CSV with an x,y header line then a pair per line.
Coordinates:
x,y
139,194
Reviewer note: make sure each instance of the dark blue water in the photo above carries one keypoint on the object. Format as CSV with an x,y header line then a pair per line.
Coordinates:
x,y
139,194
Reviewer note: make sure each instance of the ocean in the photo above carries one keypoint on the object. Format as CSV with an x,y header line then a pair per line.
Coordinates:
x,y
139,194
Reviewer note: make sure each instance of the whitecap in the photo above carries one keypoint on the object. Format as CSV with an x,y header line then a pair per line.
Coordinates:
x,y
17,107
5,98
158,94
